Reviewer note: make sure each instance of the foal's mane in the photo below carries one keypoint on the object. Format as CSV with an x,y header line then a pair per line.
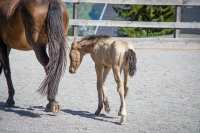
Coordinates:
x,y
92,39
95,37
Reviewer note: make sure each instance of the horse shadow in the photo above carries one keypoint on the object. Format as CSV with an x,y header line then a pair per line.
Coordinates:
x,y
89,115
29,112
24,112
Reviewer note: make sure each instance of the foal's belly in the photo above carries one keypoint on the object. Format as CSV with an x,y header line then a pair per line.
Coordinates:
x,y
102,59
107,62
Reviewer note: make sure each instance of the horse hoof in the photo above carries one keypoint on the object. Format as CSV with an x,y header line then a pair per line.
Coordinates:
x,y
122,120
53,107
10,102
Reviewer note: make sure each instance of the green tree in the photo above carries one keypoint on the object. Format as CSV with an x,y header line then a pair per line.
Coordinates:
x,y
145,13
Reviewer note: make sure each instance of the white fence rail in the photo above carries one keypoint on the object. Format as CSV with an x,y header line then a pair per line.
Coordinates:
x,y
111,23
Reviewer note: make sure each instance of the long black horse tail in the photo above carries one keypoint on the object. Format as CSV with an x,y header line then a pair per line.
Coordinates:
x,y
56,50
131,60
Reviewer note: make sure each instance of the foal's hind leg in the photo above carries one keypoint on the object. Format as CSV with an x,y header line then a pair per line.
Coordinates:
x,y
120,89
4,59
125,81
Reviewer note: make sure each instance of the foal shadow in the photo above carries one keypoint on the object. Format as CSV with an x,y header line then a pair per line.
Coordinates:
x,y
90,115
24,112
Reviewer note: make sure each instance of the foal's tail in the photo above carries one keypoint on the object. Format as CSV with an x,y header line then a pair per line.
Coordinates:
x,y
131,60
56,50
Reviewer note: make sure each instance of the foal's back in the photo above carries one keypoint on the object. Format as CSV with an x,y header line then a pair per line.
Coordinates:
x,y
109,51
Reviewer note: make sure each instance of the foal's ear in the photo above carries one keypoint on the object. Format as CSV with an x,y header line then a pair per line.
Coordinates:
x,y
75,39
75,44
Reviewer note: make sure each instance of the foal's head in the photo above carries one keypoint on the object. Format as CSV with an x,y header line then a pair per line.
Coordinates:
x,y
76,56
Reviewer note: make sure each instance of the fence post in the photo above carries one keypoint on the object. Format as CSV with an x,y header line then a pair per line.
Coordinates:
x,y
75,16
178,19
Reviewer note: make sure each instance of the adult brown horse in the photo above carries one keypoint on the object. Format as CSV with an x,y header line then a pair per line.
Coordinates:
x,y
35,25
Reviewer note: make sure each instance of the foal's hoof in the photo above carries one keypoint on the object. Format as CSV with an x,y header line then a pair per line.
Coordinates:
x,y
10,102
53,107
122,119
106,107
120,112
98,111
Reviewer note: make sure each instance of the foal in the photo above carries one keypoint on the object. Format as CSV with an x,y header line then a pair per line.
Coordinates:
x,y
106,53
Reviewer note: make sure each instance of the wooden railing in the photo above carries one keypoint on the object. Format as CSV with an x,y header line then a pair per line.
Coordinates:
x,y
111,23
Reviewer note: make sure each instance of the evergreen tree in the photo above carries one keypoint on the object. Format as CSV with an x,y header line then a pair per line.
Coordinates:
x,y
145,13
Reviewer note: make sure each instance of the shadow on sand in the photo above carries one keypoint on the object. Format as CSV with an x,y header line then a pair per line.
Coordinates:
x,y
29,112
24,112
89,115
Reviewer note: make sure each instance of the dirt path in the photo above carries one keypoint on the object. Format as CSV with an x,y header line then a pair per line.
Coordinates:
x,y
164,97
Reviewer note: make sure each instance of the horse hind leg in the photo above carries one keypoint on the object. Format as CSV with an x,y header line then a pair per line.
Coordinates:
x,y
4,62
42,57
32,35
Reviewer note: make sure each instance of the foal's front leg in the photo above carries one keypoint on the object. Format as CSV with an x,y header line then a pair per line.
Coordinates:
x,y
105,98
99,73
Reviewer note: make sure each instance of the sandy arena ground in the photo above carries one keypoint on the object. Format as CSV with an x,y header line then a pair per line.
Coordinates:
x,y
164,97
